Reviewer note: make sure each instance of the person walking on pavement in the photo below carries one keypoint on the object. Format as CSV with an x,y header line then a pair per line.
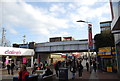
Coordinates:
x,y
87,66
12,67
34,68
45,64
40,66
56,66
80,68
73,69
94,66
91,63
8,68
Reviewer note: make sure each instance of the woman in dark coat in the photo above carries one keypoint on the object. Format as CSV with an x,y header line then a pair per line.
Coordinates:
x,y
56,66
94,66
8,68
73,69
87,66
12,67
80,68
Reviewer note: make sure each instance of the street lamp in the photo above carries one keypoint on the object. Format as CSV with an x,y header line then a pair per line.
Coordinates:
x,y
90,43
83,21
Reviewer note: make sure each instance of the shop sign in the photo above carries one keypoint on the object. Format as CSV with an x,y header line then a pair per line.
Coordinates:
x,y
10,51
106,56
113,51
105,51
64,56
76,55
55,56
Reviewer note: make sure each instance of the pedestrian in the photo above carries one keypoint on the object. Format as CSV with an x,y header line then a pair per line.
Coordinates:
x,y
56,66
12,67
73,69
87,66
91,62
23,74
59,63
45,65
41,65
80,68
34,68
8,68
16,67
94,66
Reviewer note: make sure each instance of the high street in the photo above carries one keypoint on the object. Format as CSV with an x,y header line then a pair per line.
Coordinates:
x,y
99,75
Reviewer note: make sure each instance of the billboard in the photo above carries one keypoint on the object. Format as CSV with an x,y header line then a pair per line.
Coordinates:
x,y
55,39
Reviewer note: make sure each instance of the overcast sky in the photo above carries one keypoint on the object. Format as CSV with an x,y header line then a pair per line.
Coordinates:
x,y
41,19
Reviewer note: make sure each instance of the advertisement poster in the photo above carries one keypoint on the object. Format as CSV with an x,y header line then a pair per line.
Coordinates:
x,y
24,60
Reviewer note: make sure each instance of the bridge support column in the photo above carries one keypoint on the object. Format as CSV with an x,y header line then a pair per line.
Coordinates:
x,y
44,57
31,61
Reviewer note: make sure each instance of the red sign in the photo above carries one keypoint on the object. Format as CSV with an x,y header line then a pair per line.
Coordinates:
x,y
76,55
64,56
24,60
90,42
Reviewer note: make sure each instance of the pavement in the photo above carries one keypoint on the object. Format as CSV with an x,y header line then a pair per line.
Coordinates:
x,y
97,76
86,75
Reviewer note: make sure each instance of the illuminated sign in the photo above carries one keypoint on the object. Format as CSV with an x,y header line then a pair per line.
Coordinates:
x,y
107,51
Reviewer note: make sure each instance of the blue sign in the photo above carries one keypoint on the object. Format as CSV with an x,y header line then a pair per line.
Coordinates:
x,y
24,46
91,47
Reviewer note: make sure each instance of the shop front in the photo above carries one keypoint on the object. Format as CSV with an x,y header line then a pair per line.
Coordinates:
x,y
107,59
118,55
18,55
56,57
115,26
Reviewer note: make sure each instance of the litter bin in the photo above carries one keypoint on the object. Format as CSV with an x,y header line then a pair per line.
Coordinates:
x,y
63,74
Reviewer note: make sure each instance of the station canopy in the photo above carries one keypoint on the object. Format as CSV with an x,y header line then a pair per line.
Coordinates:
x,y
10,51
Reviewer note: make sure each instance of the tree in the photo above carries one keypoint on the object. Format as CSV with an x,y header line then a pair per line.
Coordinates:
x,y
104,40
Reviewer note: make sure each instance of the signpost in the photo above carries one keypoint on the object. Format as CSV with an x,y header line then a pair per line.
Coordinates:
x,y
90,42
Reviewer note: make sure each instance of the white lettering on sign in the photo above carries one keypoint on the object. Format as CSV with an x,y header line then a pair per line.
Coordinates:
x,y
12,52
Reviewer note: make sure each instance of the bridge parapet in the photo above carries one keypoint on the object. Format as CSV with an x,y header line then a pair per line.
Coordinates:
x,y
62,43
62,46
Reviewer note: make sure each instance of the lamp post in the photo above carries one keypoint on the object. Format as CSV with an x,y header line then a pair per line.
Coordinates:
x,y
90,43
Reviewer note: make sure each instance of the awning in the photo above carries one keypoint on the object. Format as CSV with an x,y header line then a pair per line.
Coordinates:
x,y
10,51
